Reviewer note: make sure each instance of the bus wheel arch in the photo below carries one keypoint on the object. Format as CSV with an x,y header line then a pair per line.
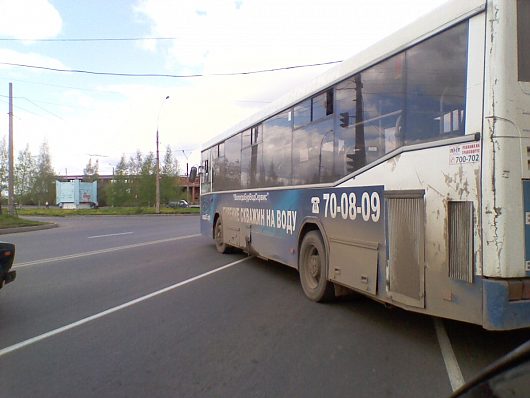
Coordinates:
x,y
313,263
311,224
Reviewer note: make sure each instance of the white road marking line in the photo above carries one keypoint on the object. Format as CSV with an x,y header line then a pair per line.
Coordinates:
x,y
104,236
92,253
451,364
54,332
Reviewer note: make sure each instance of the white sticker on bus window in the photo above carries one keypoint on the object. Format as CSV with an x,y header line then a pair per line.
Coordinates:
x,y
464,153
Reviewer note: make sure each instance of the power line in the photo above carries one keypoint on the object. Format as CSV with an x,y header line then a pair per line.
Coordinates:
x,y
19,107
41,101
42,108
63,86
36,105
168,75
89,39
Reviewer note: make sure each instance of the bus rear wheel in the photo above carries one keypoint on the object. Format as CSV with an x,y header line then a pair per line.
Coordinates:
x,y
220,245
313,268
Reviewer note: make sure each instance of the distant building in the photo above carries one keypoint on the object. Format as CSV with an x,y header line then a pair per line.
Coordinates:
x,y
185,186
75,194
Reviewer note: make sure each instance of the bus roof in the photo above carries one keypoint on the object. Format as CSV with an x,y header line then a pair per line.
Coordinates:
x,y
438,20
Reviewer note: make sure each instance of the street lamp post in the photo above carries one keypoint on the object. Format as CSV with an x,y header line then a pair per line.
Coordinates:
x,y
157,182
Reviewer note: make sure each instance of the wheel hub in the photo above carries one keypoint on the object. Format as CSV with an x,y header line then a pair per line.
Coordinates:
x,y
314,266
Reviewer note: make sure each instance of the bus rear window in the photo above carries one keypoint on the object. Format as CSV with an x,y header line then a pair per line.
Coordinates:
x,y
523,39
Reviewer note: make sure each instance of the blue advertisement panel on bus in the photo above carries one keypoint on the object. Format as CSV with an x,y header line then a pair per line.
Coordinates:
x,y
276,217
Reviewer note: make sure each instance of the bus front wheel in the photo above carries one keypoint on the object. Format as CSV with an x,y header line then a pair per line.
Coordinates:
x,y
220,245
313,268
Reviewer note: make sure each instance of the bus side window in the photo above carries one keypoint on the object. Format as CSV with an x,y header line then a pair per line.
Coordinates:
x,y
329,102
436,87
302,114
232,163
205,177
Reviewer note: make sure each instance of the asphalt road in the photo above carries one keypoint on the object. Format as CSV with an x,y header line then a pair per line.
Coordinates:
x,y
143,306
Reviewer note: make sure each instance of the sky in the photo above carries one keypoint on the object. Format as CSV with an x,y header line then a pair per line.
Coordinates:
x,y
84,116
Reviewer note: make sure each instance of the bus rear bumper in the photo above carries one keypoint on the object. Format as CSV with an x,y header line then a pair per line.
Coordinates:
x,y
503,311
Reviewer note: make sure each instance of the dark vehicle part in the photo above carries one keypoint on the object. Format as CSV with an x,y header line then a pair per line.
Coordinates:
x,y
507,377
220,245
193,174
7,255
178,204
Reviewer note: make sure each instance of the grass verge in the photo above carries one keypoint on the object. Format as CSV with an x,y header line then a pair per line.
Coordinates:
x,y
104,211
7,221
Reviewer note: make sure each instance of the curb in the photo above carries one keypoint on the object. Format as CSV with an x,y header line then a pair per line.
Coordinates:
x,y
4,231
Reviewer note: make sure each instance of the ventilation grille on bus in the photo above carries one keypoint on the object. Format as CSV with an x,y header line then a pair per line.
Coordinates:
x,y
461,241
406,237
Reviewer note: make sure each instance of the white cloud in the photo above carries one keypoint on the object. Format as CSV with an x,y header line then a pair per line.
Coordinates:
x,y
29,19
225,36
16,57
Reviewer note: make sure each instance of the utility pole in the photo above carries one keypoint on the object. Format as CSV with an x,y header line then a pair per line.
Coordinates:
x,y
11,178
157,182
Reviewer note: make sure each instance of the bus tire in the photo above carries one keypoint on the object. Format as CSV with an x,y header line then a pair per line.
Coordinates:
x,y
220,244
313,268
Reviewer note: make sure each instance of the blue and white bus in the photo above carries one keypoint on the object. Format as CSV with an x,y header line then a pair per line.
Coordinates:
x,y
403,173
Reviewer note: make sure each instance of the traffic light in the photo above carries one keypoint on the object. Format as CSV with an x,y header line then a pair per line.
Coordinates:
x,y
344,119
193,174
350,162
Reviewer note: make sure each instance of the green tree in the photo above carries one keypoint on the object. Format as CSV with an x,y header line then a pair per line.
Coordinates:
x,y
135,163
43,189
25,173
91,171
170,164
168,178
134,167
119,191
146,191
